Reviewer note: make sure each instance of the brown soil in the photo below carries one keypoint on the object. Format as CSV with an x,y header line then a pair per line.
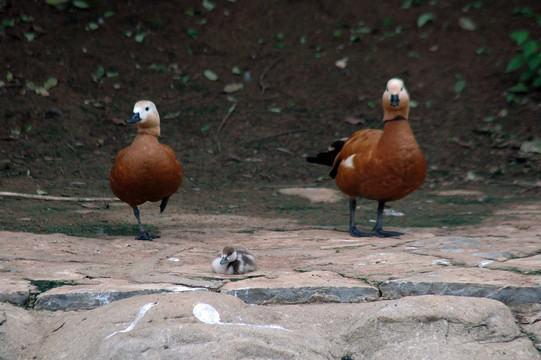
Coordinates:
x,y
297,101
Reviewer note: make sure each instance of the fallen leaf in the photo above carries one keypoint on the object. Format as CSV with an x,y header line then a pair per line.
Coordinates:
x,y
424,19
341,63
140,37
467,24
460,85
50,83
56,2
354,120
233,88
30,36
210,75
80,4
531,147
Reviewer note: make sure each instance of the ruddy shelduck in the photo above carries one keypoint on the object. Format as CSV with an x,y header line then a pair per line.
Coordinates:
x,y
146,170
383,165
234,261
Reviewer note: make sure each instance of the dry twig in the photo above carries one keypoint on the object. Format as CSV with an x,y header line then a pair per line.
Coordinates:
x,y
53,198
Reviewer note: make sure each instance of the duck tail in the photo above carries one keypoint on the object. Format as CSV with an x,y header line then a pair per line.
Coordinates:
x,y
327,157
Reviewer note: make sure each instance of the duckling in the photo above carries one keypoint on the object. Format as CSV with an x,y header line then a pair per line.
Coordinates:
x,y
146,170
234,261
383,165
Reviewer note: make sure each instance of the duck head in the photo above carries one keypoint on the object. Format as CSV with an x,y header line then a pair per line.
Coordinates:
x,y
147,118
395,100
229,254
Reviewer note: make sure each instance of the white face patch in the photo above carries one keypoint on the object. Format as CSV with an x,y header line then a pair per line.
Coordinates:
x,y
143,111
349,162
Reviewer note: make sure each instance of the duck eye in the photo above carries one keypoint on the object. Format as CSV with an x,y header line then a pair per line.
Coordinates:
x,y
147,108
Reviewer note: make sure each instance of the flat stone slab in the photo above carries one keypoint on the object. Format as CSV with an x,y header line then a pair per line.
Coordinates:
x,y
89,296
511,289
298,288
15,291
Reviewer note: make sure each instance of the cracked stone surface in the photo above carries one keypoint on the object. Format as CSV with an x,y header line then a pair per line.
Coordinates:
x,y
497,260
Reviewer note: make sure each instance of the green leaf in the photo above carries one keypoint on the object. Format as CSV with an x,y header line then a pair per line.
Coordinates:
x,y
192,33
100,72
109,14
80,4
529,47
526,75
205,128
140,37
25,18
50,83
489,119
520,36
30,36
111,73
208,5
236,70
55,2
459,87
275,110
534,62
158,67
9,76
210,75
424,19
92,26
518,88
41,192
537,82
515,63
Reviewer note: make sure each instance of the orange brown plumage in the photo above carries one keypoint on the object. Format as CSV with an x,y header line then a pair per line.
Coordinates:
x,y
383,165
146,170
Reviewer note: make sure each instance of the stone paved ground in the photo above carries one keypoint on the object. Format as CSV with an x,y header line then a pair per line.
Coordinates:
x,y
499,259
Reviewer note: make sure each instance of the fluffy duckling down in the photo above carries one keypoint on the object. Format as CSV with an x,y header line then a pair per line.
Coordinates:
x,y
234,261
382,165
146,170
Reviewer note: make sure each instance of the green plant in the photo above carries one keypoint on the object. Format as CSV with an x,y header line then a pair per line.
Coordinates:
x,y
529,59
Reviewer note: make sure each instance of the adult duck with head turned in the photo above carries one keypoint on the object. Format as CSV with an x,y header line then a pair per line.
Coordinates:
x,y
146,170
383,165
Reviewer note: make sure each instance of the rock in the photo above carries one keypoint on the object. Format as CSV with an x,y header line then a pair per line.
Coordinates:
x,y
297,288
464,283
89,297
16,292
166,326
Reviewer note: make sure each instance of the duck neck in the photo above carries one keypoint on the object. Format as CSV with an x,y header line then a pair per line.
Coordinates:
x,y
154,131
397,133
392,114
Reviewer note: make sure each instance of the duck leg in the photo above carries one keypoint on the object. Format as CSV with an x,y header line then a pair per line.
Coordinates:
x,y
352,229
378,229
163,204
144,235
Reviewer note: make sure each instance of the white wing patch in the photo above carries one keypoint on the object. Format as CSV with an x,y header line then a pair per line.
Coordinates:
x,y
349,162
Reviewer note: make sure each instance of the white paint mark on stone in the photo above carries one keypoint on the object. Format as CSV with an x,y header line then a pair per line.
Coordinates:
x,y
142,313
207,314
484,263
443,262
